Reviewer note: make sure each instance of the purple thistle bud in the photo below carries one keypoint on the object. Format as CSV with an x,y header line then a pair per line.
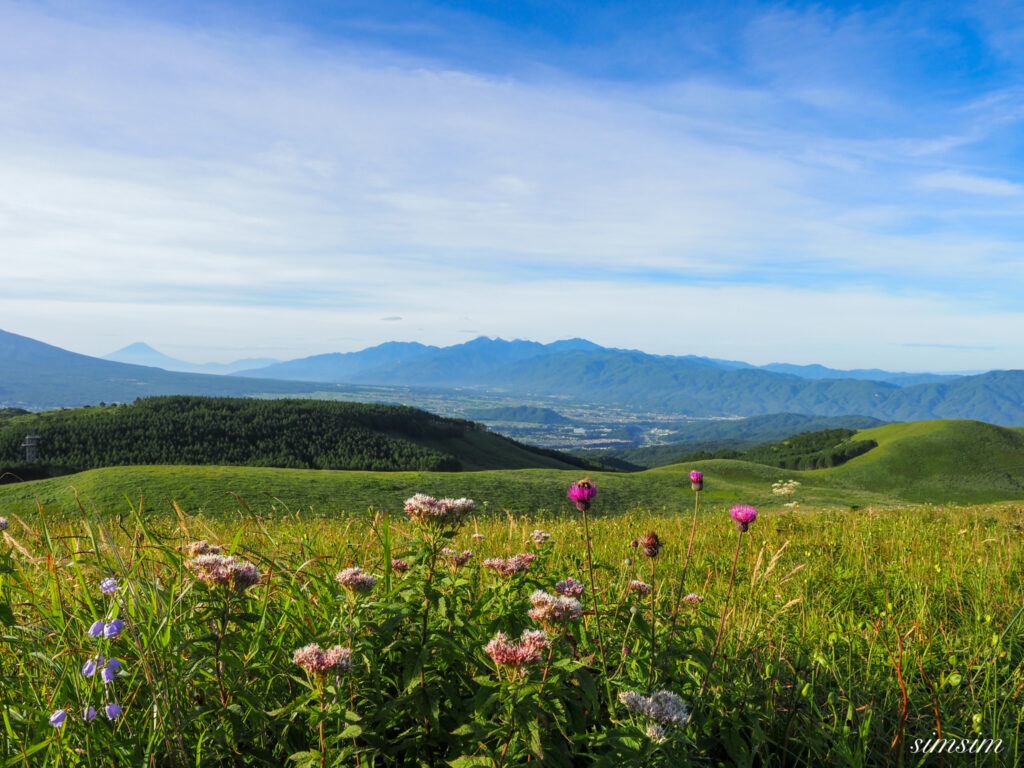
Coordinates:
x,y
744,515
113,629
58,717
108,586
697,480
113,711
90,714
96,629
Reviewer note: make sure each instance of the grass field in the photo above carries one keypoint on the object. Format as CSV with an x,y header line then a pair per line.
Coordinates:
x,y
927,462
847,637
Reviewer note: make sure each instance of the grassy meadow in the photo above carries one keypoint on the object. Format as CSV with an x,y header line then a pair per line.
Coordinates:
x,y
822,635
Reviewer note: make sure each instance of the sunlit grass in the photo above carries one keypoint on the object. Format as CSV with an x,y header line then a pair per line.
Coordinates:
x,y
849,634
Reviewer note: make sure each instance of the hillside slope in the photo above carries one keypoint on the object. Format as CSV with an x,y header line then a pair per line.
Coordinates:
x,y
312,434
938,462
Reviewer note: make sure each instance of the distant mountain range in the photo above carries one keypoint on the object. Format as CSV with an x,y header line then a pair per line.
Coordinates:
x,y
37,375
143,354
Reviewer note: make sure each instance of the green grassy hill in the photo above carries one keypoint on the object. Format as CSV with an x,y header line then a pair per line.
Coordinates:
x,y
296,434
967,461
935,461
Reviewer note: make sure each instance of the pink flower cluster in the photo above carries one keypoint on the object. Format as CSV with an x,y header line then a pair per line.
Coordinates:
x,y
569,587
693,599
540,537
203,547
398,565
641,588
551,611
510,566
446,513
220,571
356,581
528,650
319,662
455,558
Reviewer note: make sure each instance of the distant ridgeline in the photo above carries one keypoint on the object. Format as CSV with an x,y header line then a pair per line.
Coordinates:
x,y
299,434
808,450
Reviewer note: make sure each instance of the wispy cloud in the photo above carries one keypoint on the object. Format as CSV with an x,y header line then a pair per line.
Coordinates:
x,y
970,184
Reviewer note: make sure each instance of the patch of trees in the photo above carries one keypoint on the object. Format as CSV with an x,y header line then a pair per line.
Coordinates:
x,y
808,450
301,434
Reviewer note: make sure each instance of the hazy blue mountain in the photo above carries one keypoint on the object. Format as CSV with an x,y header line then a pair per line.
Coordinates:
x,y
865,374
345,366
36,375
140,353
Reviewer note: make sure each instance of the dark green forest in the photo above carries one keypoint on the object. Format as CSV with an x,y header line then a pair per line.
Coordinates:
x,y
300,434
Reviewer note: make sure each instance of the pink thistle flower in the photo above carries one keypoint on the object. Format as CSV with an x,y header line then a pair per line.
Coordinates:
x,y
569,587
697,480
398,565
582,492
356,581
641,588
744,515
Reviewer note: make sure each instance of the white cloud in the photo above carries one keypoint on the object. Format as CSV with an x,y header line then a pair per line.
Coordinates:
x,y
970,184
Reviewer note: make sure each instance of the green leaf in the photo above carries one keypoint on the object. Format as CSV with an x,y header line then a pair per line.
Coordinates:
x,y
471,761
352,731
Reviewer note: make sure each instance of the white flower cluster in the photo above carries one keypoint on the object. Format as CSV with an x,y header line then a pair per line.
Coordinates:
x,y
661,706
785,487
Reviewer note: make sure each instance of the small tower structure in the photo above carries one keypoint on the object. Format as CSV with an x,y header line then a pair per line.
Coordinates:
x,y
31,448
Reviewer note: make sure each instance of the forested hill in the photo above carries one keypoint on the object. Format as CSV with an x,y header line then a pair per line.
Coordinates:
x,y
306,434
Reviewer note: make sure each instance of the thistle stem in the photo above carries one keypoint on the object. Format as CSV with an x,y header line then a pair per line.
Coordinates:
x,y
725,609
597,608
686,566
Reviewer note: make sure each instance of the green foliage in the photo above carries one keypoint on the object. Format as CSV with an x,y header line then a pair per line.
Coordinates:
x,y
301,434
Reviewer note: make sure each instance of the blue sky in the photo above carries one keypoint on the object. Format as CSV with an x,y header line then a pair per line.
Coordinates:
x,y
799,182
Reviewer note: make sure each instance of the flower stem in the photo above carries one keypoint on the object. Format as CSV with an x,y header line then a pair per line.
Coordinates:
x,y
686,566
725,609
650,671
597,608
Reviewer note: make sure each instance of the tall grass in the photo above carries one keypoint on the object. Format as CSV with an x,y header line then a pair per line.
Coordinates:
x,y
849,639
